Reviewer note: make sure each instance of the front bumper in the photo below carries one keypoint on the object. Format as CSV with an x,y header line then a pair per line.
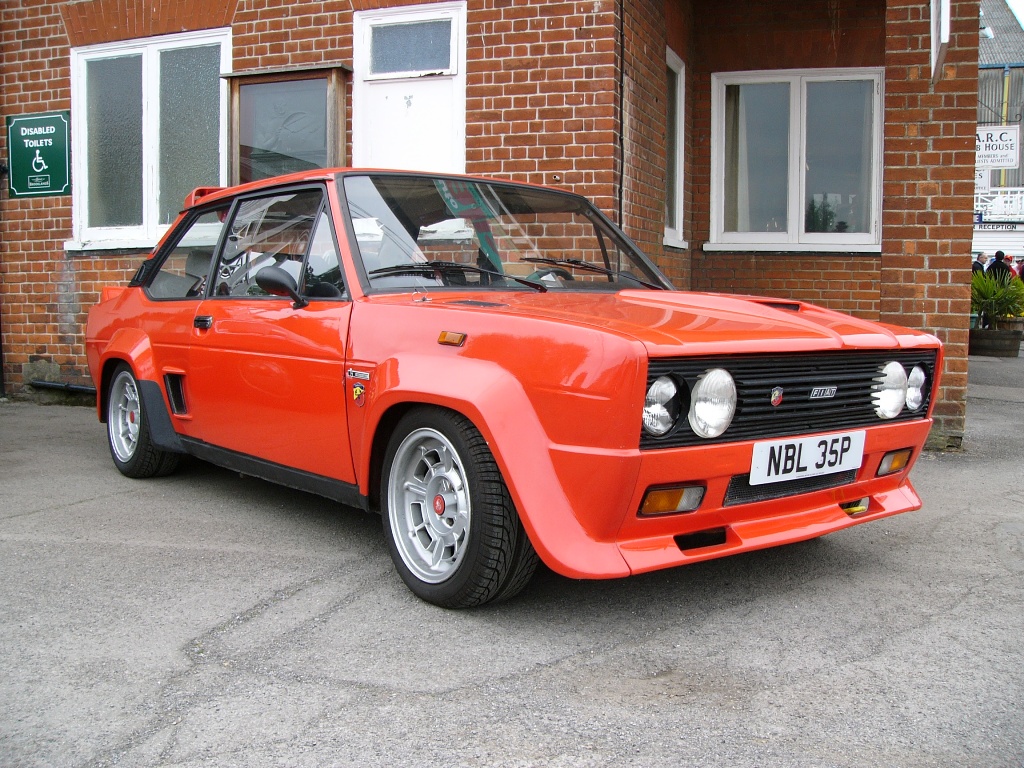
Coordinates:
x,y
716,529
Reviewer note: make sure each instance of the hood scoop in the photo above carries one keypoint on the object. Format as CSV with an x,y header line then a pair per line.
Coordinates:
x,y
789,306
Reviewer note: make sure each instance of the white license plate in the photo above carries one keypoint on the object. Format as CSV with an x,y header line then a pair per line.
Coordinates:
x,y
775,461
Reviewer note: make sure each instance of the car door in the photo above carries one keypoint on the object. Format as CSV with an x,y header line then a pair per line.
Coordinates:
x,y
266,377
174,293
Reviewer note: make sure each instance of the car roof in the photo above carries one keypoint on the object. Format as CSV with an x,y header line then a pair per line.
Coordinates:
x,y
206,195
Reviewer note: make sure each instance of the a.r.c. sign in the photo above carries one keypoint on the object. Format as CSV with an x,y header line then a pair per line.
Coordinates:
x,y
39,158
998,146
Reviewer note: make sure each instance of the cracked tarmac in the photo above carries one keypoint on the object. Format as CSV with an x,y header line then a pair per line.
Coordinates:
x,y
206,619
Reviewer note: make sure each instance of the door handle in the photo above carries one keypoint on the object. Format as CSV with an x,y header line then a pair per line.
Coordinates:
x,y
203,322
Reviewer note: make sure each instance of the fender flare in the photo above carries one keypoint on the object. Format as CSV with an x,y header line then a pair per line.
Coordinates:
x,y
495,401
132,347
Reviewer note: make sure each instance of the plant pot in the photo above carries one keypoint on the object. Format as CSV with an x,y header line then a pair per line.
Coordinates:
x,y
975,317
1010,324
993,342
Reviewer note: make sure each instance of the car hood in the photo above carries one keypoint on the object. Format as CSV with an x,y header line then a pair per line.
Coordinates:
x,y
678,322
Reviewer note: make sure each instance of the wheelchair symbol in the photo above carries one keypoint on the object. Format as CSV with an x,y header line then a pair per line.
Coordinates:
x,y
38,164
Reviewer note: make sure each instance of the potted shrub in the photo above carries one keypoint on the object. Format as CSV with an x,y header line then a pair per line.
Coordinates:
x,y
999,304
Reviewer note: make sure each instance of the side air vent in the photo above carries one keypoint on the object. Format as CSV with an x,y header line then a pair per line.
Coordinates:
x,y
175,384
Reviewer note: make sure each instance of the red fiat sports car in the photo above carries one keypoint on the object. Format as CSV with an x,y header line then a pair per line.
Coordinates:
x,y
501,374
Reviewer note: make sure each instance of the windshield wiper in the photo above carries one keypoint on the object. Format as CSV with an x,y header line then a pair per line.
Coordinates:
x,y
588,267
421,267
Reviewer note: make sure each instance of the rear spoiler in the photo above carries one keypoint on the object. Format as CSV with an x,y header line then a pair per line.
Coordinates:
x,y
198,194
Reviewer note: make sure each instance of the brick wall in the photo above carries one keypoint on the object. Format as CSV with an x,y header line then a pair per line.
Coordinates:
x,y
551,87
921,279
929,187
644,138
755,35
554,125
40,303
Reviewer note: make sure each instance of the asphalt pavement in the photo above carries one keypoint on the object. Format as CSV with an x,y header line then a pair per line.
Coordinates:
x,y
205,619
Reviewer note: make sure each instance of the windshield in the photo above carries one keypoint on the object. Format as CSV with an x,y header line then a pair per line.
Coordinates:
x,y
422,233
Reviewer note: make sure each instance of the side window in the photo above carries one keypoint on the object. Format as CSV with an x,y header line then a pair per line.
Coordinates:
x,y
186,267
267,231
323,270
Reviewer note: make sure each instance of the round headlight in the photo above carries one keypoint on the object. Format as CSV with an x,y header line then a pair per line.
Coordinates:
x,y
661,406
915,388
713,403
890,391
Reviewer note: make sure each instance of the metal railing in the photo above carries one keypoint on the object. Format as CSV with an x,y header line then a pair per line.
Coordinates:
x,y
1000,204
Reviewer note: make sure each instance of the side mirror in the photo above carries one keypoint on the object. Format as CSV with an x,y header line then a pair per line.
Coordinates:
x,y
277,282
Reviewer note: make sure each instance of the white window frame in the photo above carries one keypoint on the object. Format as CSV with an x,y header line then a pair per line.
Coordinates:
x,y
365,21
149,232
675,237
794,239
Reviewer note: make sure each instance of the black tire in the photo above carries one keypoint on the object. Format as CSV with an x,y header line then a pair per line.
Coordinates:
x,y
451,527
128,436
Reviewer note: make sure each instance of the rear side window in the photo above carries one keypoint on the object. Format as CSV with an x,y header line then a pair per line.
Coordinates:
x,y
185,270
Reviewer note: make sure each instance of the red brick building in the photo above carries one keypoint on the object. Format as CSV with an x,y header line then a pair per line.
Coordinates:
x,y
820,150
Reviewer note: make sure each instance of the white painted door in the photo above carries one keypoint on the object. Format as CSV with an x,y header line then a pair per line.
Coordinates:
x,y
409,88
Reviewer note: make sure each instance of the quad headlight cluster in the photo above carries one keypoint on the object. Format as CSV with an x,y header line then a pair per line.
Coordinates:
x,y
709,405
895,390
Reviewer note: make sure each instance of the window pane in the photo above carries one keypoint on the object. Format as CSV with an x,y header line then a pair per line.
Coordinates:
x,y
189,124
282,128
839,149
323,270
114,153
671,149
271,231
422,46
184,272
756,157
487,233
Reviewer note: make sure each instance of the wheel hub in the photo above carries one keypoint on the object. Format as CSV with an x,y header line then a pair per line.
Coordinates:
x,y
429,505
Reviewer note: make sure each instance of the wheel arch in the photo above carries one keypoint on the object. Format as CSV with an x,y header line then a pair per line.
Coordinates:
x,y
131,347
494,401
134,350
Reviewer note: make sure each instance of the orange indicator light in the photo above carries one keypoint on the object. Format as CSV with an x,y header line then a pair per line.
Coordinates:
x,y
451,338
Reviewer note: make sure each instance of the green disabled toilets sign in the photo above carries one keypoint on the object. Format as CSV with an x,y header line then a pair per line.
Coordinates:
x,y
38,155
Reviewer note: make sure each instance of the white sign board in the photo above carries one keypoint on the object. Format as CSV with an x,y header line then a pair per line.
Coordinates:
x,y
982,180
998,146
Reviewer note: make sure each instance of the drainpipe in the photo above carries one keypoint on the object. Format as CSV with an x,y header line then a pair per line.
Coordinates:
x,y
3,386
622,111
1005,113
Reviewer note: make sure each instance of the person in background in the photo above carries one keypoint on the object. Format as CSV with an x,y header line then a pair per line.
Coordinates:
x,y
978,265
999,269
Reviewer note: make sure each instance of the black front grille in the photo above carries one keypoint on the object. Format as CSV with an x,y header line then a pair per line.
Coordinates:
x,y
853,374
740,490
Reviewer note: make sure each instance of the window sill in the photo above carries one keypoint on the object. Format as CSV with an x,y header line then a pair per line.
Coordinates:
x,y
76,246
671,241
836,248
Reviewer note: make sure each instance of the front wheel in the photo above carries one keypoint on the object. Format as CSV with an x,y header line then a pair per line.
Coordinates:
x,y
451,527
131,447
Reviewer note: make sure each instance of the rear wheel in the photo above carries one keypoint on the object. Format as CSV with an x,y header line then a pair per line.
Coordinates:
x,y
450,524
128,435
